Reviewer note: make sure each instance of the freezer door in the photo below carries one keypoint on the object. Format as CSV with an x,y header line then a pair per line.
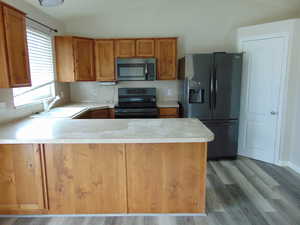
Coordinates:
x,y
226,139
227,85
198,86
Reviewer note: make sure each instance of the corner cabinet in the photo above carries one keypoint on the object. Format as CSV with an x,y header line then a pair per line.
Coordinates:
x,y
75,59
22,179
105,60
14,59
166,54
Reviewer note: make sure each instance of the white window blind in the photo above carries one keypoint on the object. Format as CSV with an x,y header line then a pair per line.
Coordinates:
x,y
41,62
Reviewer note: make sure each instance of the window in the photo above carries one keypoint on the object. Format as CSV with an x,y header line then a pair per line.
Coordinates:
x,y
41,62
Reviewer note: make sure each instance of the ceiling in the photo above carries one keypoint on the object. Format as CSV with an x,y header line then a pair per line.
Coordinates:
x,y
78,8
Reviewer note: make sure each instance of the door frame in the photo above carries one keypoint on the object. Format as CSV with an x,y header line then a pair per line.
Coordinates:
x,y
281,121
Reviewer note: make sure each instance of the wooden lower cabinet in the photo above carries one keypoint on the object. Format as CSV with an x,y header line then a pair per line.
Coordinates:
x,y
86,178
169,113
102,178
22,183
166,178
98,114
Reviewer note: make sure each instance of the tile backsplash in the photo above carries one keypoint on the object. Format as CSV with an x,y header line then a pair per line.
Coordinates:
x,y
95,92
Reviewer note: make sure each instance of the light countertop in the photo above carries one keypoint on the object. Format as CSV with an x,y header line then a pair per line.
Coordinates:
x,y
73,110
59,131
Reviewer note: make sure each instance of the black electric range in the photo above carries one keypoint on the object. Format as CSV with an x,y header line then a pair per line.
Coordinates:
x,y
136,103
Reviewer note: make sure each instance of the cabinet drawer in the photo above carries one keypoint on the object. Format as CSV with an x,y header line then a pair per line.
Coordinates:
x,y
168,111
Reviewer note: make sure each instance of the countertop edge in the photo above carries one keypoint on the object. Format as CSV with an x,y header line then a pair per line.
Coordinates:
x,y
109,141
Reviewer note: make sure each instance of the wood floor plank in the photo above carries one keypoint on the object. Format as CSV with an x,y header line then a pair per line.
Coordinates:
x,y
217,167
258,200
7,221
260,172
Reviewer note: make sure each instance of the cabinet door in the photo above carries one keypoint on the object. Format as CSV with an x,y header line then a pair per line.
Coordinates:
x,y
21,178
168,112
166,178
100,114
145,48
86,178
166,53
17,51
105,60
4,80
125,48
84,59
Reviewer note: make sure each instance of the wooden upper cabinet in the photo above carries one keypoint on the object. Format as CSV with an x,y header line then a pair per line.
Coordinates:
x,y
105,60
125,48
22,178
75,59
84,59
145,48
166,53
14,59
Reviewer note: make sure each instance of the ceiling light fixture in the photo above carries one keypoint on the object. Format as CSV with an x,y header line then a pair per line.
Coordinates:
x,y
51,3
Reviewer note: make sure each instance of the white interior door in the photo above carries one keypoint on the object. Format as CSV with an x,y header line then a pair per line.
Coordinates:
x,y
264,70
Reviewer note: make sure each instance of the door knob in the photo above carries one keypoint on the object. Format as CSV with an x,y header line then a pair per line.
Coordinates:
x,y
274,113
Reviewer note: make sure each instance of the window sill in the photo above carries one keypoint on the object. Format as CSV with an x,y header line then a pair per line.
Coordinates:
x,y
33,103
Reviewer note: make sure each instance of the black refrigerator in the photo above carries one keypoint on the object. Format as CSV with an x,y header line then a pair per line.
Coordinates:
x,y
210,89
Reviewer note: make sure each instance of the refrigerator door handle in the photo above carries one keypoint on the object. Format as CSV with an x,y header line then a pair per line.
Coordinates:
x,y
211,91
215,88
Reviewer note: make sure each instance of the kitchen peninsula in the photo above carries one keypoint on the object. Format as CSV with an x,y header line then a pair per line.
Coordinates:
x,y
65,166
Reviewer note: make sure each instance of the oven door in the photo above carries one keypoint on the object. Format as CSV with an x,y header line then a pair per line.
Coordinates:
x,y
137,113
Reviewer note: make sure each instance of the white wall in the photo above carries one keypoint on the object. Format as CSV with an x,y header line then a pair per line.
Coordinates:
x,y
9,112
288,144
94,92
202,26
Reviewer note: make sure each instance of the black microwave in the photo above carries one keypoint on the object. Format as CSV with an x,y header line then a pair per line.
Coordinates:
x,y
136,69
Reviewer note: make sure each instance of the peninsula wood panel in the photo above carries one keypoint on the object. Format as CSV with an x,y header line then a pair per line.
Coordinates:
x,y
166,54
166,178
145,48
86,178
125,48
84,59
22,186
105,60
13,48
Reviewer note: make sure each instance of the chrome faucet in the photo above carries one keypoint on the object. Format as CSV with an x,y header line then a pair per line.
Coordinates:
x,y
49,104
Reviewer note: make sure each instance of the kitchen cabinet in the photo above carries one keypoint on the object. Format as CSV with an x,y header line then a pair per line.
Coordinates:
x,y
105,60
74,59
14,59
125,48
166,54
168,113
98,114
145,48
166,178
22,179
86,178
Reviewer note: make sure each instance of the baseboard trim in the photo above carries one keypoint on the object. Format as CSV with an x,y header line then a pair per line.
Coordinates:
x,y
105,215
290,165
